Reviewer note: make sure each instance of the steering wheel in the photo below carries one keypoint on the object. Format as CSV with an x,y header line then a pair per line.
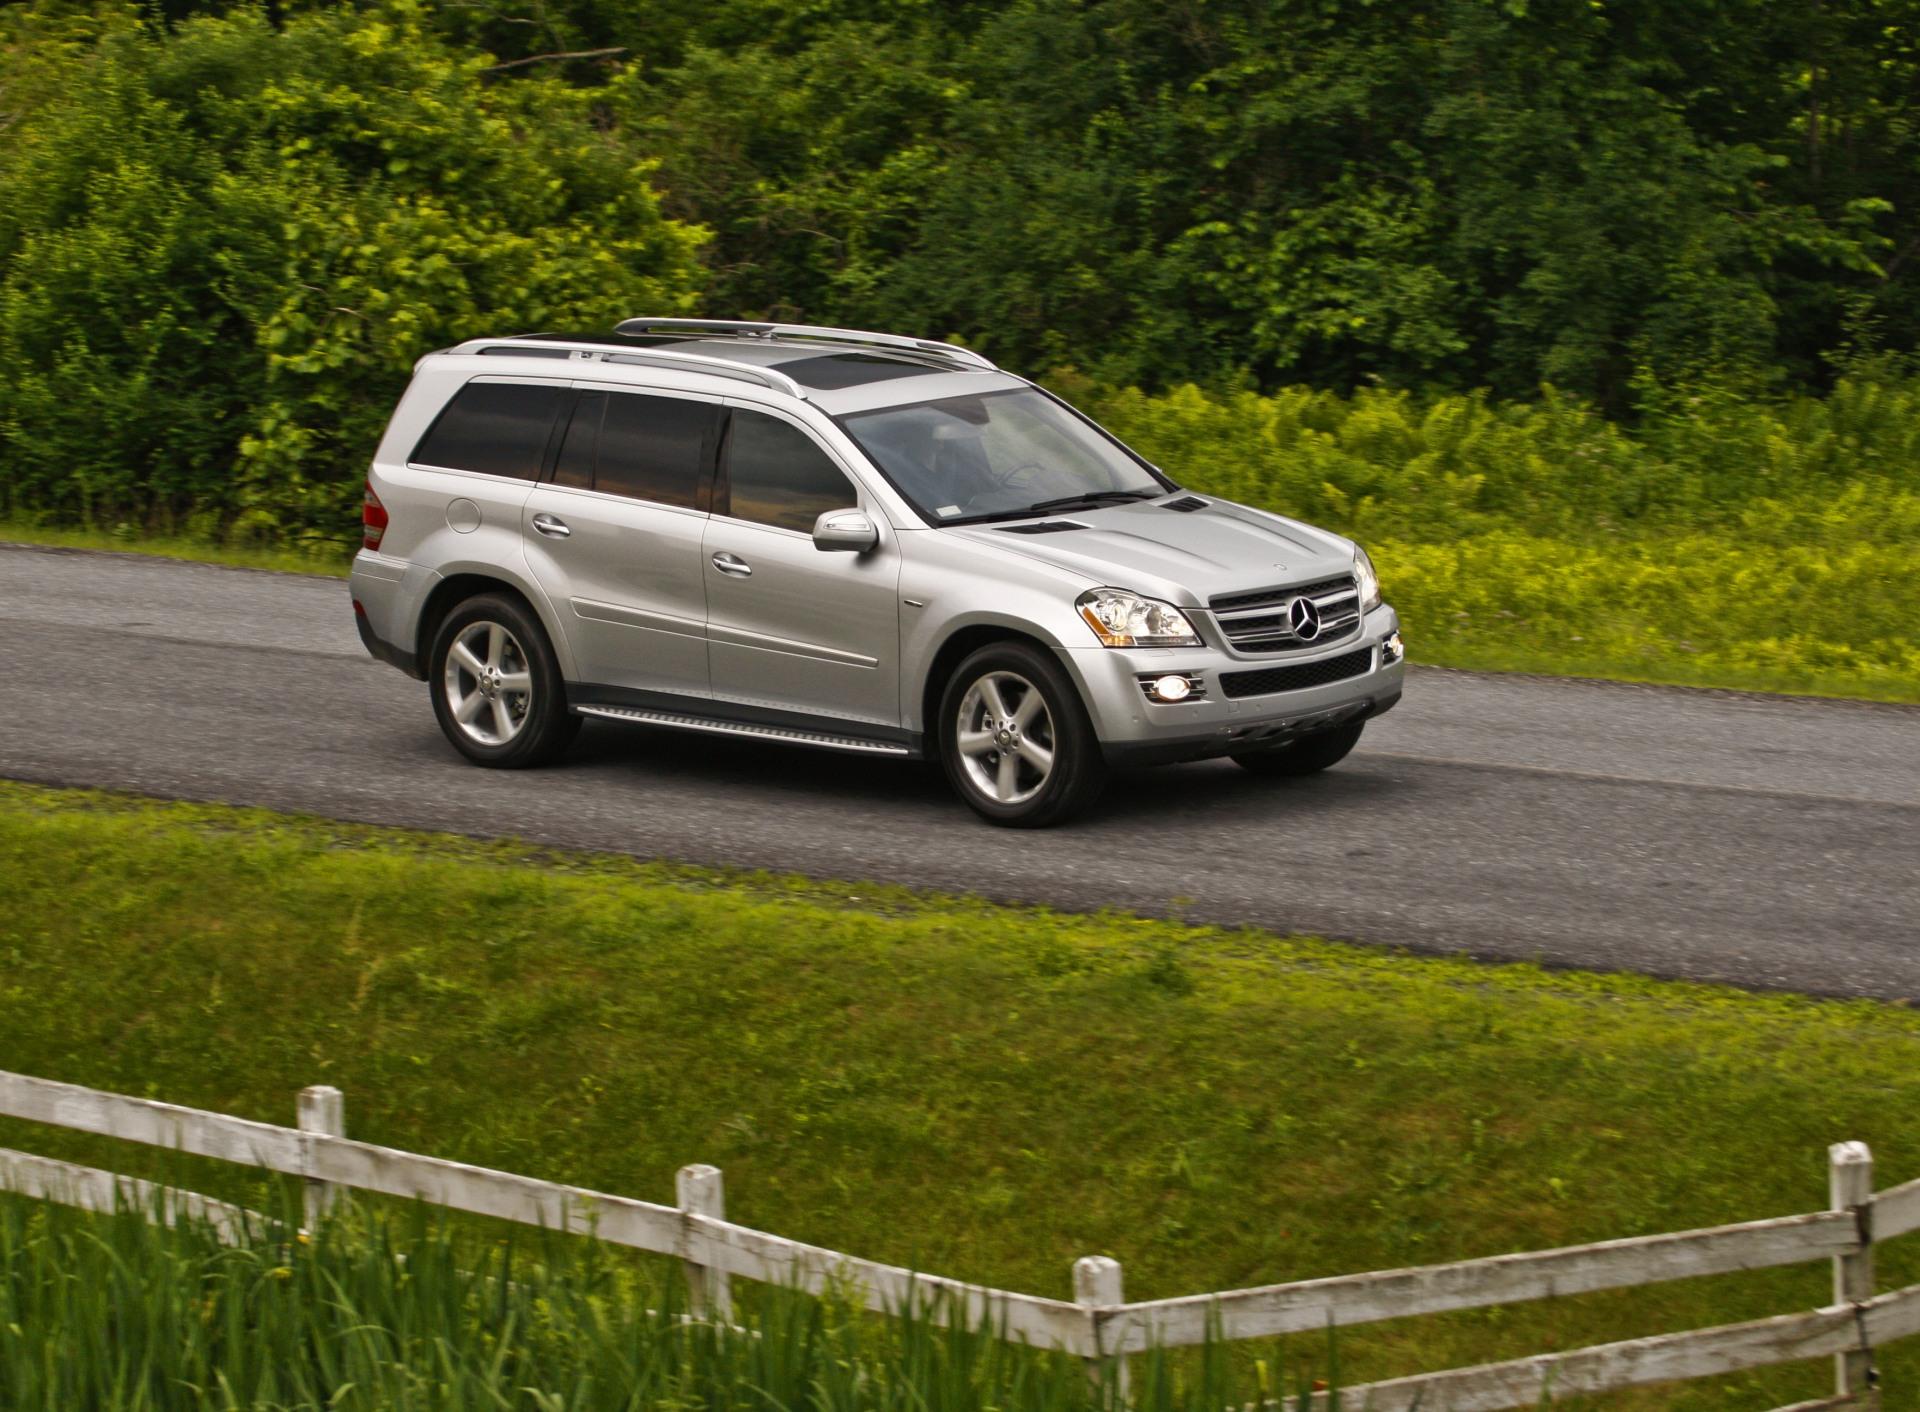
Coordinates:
x,y
1006,480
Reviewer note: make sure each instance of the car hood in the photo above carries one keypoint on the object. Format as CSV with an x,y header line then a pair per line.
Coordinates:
x,y
1184,557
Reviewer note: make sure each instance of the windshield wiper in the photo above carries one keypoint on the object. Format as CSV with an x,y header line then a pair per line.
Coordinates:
x,y
1090,498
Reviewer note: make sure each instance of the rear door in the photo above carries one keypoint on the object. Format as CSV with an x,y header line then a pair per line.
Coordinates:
x,y
791,627
477,462
615,537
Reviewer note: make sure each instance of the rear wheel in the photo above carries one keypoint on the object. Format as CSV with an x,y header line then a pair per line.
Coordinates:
x,y
1308,755
496,685
1015,739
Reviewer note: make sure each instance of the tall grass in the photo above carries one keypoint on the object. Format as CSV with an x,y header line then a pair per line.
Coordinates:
x,y
384,1312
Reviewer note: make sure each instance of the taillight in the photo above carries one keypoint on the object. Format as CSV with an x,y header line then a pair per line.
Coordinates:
x,y
373,520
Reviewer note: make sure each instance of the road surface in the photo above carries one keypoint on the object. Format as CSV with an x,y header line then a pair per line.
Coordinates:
x,y
1769,842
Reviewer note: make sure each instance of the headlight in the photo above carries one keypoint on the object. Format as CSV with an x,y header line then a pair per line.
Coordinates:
x,y
1368,580
1122,619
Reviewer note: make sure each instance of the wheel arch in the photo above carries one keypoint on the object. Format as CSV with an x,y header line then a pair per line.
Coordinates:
x,y
457,586
954,649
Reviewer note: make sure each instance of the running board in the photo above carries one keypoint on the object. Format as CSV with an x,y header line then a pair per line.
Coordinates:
x,y
785,735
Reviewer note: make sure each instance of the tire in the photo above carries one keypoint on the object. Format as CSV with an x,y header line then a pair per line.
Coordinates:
x,y
505,728
1308,755
1057,767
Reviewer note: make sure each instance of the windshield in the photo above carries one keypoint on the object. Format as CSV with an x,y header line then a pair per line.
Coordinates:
x,y
998,455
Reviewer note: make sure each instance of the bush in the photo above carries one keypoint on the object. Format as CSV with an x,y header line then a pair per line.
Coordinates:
x,y
221,250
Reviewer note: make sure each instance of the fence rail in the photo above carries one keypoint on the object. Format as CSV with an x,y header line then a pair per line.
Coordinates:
x,y
1098,1325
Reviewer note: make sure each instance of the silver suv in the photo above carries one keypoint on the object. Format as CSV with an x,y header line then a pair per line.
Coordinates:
x,y
847,540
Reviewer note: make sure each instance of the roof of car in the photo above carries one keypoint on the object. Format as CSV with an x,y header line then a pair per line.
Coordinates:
x,y
840,370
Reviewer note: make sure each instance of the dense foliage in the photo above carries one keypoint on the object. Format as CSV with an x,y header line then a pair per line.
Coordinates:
x,y
221,251
1607,197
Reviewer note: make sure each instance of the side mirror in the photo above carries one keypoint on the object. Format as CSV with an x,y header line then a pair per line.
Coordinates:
x,y
845,532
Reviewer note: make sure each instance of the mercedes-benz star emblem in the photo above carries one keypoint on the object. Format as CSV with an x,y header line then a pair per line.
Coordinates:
x,y
1304,618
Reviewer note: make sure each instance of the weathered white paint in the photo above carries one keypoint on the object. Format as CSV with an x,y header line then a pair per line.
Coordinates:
x,y
1892,1316
1896,1211
156,1124
771,1259
702,1192
322,1110
1850,1183
1307,1305
91,1189
1099,1285
1531,1382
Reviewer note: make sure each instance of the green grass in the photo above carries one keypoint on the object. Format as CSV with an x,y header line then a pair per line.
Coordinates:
x,y
332,560
979,1091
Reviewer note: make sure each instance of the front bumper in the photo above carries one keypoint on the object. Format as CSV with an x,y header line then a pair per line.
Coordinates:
x,y
1134,730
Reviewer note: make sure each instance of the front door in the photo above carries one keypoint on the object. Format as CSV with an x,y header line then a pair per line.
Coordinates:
x,y
791,627
615,538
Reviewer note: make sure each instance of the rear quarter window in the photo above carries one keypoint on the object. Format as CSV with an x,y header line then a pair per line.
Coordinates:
x,y
495,428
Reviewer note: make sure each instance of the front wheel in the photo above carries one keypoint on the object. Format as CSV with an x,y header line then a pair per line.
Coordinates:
x,y
1307,756
1015,739
496,685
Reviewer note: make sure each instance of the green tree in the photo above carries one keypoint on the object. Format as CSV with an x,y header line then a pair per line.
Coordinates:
x,y
222,249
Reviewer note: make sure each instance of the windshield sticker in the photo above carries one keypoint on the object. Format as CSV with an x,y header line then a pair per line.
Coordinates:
x,y
946,510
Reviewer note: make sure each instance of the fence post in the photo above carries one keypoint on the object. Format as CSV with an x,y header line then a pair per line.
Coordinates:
x,y
323,1109
701,1193
1097,1281
1850,1180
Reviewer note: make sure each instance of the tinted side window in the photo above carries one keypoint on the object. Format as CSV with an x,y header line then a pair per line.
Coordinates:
x,y
652,447
777,475
500,428
575,464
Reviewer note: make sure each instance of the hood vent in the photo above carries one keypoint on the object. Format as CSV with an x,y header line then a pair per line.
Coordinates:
x,y
1186,504
1045,527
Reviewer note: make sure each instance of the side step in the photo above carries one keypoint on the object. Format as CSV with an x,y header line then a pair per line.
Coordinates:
x,y
785,735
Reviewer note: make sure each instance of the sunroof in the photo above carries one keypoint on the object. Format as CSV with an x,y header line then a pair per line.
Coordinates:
x,y
831,371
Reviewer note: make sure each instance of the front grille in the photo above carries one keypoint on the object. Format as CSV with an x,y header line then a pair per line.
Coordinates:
x,y
1263,621
1297,677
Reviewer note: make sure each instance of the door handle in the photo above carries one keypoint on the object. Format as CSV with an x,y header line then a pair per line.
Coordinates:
x,y
551,526
732,564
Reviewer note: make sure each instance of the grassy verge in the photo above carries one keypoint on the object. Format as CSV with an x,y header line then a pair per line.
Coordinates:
x,y
980,1091
333,560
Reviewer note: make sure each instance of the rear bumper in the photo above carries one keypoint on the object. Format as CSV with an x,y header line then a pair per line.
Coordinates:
x,y
385,651
1135,730
386,596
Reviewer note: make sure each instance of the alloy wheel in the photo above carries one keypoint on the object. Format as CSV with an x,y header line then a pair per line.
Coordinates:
x,y
488,683
1005,737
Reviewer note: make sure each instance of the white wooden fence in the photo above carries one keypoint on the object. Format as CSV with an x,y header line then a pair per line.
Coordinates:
x,y
1099,1326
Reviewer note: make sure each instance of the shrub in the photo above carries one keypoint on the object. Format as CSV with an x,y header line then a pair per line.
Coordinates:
x,y
221,250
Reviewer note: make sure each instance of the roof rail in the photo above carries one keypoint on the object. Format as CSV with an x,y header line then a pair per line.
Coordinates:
x,y
658,358
741,328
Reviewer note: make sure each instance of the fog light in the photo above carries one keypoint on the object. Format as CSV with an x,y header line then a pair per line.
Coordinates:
x,y
1171,689
1391,649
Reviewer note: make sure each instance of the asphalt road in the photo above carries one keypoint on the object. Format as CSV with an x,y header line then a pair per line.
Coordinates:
x,y
1771,842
